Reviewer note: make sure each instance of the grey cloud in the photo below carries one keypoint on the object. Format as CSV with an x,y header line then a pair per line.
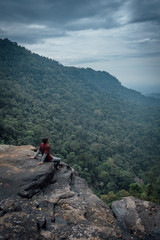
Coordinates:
x,y
57,12
30,35
144,10
60,16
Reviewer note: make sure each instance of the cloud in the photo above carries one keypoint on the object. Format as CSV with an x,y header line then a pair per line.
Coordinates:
x,y
99,45
144,10
57,11
59,16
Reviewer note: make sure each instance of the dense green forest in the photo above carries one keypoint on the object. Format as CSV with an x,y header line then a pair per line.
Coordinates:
x,y
108,133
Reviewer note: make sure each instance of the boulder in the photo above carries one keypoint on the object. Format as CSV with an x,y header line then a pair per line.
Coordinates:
x,y
138,218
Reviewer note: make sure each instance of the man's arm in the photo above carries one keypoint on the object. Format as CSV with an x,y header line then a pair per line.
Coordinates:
x,y
36,154
43,158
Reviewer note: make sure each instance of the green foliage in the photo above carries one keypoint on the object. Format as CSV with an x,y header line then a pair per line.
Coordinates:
x,y
135,189
111,196
108,133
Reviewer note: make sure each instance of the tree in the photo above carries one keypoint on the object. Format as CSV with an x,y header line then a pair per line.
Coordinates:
x,y
135,189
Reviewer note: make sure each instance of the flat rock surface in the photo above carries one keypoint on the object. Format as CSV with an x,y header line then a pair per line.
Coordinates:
x,y
19,173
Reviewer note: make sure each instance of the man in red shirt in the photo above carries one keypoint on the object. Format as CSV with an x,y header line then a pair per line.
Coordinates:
x,y
44,149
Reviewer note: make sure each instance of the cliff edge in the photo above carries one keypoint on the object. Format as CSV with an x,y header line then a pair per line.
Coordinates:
x,y
39,202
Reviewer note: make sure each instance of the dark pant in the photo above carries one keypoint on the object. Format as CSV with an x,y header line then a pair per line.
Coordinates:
x,y
56,161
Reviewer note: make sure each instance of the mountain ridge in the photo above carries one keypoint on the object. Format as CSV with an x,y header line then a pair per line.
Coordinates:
x,y
99,79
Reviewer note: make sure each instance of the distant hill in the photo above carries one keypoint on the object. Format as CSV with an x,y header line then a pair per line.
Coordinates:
x,y
108,133
154,95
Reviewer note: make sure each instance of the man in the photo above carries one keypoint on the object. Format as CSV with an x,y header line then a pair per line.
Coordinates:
x,y
44,149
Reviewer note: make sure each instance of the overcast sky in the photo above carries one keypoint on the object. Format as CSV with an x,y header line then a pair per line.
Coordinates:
x,y
121,37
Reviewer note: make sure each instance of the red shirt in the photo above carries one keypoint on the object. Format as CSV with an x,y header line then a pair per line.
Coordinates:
x,y
45,148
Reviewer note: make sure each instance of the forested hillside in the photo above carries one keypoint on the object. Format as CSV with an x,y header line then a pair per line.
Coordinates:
x,y
108,133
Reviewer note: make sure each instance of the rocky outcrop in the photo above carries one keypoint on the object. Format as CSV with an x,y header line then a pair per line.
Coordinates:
x,y
138,218
39,202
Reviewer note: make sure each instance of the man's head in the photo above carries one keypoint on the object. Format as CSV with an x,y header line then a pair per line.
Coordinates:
x,y
45,140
